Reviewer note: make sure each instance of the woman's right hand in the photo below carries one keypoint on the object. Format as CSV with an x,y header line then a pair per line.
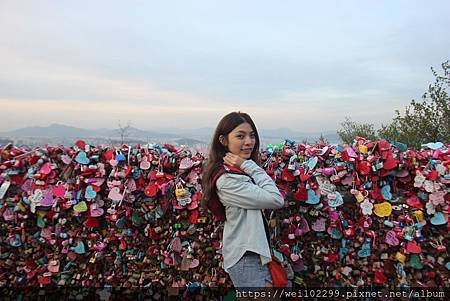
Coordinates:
x,y
233,160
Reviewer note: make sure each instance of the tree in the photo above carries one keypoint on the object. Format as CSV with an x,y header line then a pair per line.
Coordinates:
x,y
124,131
425,121
322,140
351,129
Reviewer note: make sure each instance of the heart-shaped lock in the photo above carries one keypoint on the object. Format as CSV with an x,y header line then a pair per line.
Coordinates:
x,y
365,250
115,195
413,247
82,158
383,209
175,245
438,219
301,194
312,162
337,201
95,210
90,193
414,262
186,163
194,263
326,188
390,163
304,226
391,238
80,207
313,198
414,202
46,168
304,177
79,248
386,192
363,149
151,190
294,257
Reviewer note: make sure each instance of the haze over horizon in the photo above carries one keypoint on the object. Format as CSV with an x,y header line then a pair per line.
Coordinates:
x,y
176,64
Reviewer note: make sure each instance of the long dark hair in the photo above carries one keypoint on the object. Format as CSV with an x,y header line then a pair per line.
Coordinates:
x,y
217,151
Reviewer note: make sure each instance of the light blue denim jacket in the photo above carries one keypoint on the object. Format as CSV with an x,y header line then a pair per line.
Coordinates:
x,y
244,228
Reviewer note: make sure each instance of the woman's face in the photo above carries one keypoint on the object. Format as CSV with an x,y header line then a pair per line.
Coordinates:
x,y
241,140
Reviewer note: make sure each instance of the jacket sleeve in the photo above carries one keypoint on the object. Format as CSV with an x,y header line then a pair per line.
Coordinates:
x,y
238,191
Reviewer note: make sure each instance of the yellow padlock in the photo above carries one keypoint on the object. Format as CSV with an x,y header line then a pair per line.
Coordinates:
x,y
360,197
382,209
180,191
363,149
92,260
419,215
400,257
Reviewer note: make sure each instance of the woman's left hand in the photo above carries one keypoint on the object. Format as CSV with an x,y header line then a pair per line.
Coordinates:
x,y
233,160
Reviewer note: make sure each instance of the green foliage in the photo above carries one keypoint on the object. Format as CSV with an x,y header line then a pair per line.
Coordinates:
x,y
351,129
425,121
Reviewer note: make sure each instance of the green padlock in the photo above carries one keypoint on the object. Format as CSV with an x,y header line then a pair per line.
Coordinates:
x,y
136,219
40,222
414,262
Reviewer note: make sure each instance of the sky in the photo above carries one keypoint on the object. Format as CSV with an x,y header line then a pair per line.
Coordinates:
x,y
303,65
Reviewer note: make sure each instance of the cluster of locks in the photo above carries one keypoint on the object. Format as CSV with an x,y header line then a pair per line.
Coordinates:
x,y
371,213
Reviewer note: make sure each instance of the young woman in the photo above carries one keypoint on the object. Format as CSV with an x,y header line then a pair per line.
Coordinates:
x,y
243,193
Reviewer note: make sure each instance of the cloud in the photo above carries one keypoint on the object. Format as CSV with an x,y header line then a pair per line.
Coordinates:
x,y
297,65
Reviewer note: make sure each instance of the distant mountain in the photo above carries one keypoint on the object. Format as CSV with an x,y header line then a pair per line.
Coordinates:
x,y
53,130
134,133
59,133
60,130
279,133
188,141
